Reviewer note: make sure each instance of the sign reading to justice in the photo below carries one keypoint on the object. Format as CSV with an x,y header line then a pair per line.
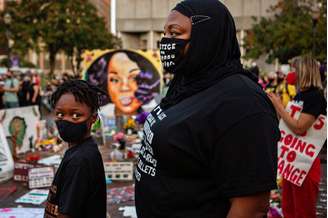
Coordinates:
x,y
296,153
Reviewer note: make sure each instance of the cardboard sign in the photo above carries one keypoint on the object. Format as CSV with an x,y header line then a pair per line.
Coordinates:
x,y
20,127
21,171
35,196
22,212
108,122
6,159
119,170
41,177
296,153
129,211
51,161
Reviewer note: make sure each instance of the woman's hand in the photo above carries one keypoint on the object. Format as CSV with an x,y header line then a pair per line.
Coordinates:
x,y
276,101
299,126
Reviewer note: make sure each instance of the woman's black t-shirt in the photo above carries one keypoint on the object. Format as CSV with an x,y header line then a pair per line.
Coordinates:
x,y
313,101
79,186
23,94
31,92
215,145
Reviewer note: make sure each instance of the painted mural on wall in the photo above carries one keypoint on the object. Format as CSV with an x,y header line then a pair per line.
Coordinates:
x,y
21,127
131,78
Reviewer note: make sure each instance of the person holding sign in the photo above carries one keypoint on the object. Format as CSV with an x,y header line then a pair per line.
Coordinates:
x,y
300,201
79,187
210,147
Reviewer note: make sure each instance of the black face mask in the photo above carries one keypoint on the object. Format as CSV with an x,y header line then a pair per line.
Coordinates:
x,y
171,51
72,132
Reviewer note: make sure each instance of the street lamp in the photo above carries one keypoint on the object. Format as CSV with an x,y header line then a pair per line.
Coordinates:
x,y
315,18
7,20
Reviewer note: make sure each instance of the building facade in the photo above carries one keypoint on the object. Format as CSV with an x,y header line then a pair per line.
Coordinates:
x,y
103,9
140,22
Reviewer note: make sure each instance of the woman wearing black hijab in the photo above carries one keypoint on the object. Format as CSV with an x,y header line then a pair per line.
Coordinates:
x,y
210,147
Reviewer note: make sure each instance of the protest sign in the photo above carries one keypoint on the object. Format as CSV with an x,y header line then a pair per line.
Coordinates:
x,y
98,66
22,212
129,211
6,159
20,127
40,177
35,196
108,122
119,170
51,161
21,171
296,153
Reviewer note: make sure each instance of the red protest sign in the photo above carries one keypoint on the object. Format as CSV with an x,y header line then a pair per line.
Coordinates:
x,y
296,153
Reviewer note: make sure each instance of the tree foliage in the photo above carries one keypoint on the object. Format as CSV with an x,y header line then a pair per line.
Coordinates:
x,y
289,32
65,25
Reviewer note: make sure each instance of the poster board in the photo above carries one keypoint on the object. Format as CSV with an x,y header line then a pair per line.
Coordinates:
x,y
296,153
22,212
108,122
21,171
128,95
6,159
119,171
35,196
40,177
21,127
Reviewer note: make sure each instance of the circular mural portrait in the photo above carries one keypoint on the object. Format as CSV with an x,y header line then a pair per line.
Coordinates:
x,y
130,78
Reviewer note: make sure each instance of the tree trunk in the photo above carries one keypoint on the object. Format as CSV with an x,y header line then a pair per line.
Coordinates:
x,y
72,63
78,62
52,61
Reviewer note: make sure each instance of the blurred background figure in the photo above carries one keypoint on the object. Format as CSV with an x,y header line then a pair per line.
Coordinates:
x,y
167,77
24,90
272,83
2,84
35,90
255,69
285,90
11,87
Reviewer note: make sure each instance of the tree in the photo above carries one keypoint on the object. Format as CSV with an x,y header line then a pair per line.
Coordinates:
x,y
289,32
66,25
86,31
22,29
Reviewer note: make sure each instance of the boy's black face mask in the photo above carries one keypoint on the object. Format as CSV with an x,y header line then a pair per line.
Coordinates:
x,y
72,132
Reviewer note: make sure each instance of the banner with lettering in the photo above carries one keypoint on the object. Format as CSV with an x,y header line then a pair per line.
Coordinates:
x,y
296,153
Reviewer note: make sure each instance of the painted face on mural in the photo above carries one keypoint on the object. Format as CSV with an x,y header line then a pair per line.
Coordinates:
x,y
122,84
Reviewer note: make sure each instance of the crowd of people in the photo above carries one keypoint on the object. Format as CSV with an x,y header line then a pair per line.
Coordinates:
x,y
19,89
284,85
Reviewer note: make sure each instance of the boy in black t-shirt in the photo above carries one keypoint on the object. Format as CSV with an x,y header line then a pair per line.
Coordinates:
x,y
79,187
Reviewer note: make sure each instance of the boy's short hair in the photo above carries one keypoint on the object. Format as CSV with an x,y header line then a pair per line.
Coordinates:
x,y
82,91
